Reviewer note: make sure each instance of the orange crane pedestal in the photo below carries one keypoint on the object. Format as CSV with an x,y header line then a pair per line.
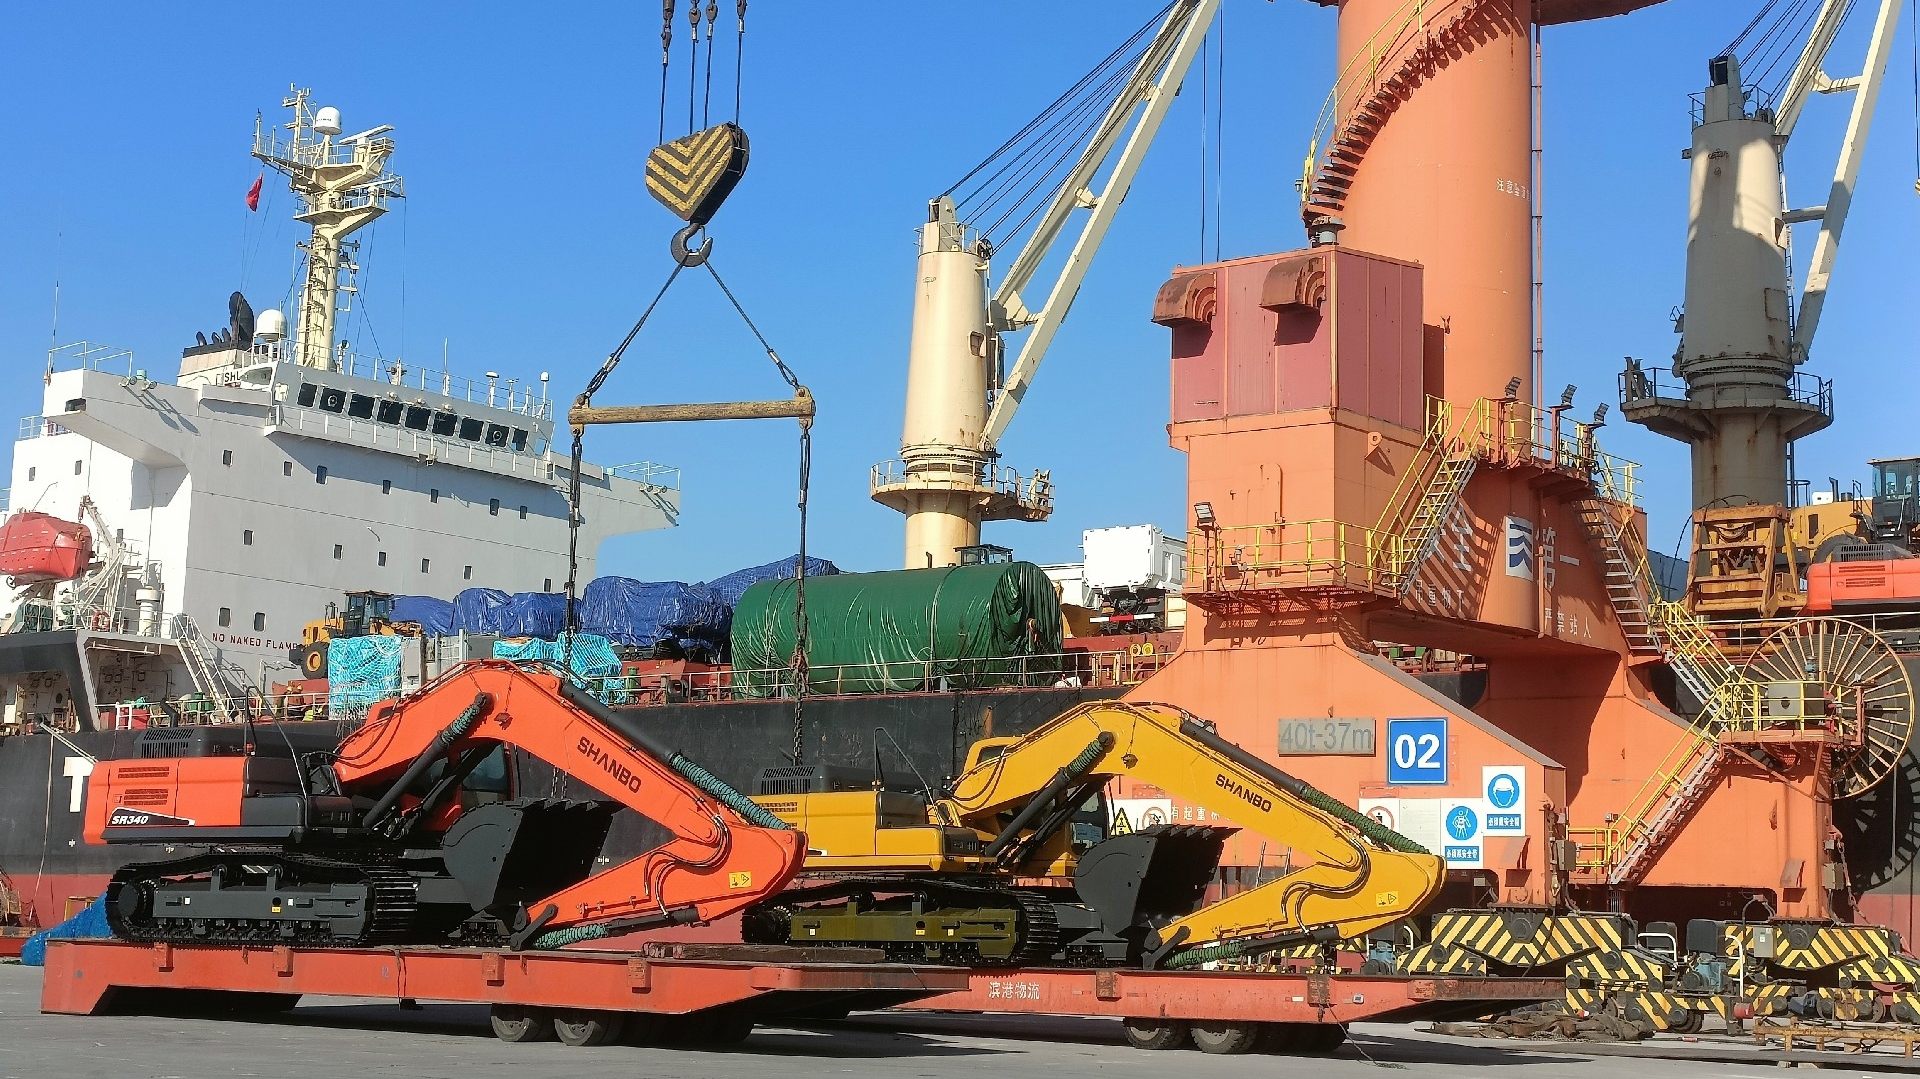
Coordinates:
x,y
1336,505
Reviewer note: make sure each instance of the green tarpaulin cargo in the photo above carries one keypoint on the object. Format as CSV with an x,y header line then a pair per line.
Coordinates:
x,y
961,627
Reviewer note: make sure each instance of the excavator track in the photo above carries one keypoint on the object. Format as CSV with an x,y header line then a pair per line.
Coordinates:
x,y
921,919
262,897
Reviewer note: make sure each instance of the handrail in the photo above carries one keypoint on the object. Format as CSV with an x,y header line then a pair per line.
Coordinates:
x,y
1411,13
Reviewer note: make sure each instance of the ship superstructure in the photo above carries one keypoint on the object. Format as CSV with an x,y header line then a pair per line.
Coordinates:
x,y
276,472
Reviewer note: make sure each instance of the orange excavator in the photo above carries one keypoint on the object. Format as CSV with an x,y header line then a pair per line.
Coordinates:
x,y
386,840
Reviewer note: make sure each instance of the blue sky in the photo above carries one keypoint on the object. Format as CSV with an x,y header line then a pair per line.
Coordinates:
x,y
527,242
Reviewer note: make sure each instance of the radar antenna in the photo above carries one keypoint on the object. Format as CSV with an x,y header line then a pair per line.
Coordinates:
x,y
344,184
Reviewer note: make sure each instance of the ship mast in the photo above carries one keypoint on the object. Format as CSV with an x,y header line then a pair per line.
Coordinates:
x,y
344,184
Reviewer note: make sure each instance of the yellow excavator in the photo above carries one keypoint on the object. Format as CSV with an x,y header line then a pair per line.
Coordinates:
x,y
368,614
1013,863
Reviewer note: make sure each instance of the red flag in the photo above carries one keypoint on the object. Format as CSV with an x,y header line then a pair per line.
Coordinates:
x,y
253,193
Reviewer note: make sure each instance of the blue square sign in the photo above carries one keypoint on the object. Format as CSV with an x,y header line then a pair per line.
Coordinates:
x,y
1416,752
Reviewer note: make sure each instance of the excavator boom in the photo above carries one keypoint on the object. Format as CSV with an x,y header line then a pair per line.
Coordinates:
x,y
1353,875
952,878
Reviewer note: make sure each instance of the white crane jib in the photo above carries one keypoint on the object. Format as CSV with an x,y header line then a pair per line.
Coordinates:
x,y
344,184
960,395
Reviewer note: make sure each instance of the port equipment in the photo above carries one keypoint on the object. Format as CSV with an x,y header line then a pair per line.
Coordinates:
x,y
933,878
1742,400
961,395
376,842
367,614
661,994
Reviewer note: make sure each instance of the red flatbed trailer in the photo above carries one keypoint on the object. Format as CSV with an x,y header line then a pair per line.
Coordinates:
x,y
581,992
588,994
1234,996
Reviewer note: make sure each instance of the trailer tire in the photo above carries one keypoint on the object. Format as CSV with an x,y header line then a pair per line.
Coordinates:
x,y
1226,1039
518,1023
1155,1034
720,1026
588,1028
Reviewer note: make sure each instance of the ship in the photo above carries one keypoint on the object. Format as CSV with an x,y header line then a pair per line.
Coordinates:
x,y
168,538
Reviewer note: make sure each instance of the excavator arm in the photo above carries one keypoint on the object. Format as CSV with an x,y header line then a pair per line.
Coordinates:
x,y
1353,875
725,852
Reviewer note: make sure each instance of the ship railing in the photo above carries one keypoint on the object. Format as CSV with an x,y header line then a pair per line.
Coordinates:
x,y
205,710
1314,554
1062,670
32,427
647,474
506,394
1029,489
1111,669
126,619
427,448
1647,384
92,356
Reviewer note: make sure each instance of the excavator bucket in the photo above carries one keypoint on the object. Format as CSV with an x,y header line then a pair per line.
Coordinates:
x,y
1146,878
510,853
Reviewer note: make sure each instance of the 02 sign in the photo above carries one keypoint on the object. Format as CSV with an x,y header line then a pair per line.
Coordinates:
x,y
1417,752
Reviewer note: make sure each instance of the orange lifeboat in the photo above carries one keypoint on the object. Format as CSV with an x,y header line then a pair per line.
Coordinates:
x,y
38,547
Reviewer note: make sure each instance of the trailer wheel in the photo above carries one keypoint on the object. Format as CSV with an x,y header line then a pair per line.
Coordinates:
x,y
518,1023
588,1028
1689,1023
1155,1034
1226,1039
1320,1039
726,1026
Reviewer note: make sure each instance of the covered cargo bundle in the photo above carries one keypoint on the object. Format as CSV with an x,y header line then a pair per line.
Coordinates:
x,y
533,614
479,610
362,670
961,627
734,585
641,614
434,616
592,658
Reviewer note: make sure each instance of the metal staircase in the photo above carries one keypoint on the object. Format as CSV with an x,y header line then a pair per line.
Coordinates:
x,y
202,669
1429,518
1624,572
1675,790
1423,38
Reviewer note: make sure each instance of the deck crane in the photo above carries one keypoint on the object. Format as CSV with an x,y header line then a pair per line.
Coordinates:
x,y
960,394
1742,340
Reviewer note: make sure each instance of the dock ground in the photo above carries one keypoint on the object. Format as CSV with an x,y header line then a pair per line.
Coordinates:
x,y
358,1039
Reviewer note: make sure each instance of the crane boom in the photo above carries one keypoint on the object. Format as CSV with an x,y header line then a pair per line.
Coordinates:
x,y
1156,79
1833,216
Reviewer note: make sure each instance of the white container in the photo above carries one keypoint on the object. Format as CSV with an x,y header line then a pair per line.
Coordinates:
x,y
1133,558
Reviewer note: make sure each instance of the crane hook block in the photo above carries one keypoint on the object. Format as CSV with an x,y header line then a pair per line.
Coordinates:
x,y
693,175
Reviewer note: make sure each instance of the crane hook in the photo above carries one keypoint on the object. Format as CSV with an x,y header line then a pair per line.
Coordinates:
x,y
691,256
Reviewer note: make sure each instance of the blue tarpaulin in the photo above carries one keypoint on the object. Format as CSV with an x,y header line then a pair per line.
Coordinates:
x,y
89,924
362,670
479,610
534,614
733,585
638,614
434,615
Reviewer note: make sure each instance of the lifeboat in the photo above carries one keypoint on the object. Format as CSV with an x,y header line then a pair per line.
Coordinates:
x,y
38,547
